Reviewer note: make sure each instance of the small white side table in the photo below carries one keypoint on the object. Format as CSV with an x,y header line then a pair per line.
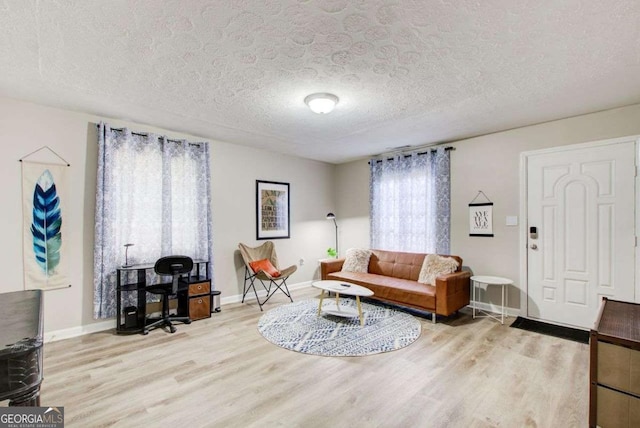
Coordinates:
x,y
491,280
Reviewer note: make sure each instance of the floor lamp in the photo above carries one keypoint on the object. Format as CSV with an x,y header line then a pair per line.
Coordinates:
x,y
332,216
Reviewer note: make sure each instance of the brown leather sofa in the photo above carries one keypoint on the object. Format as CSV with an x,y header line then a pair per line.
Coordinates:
x,y
393,277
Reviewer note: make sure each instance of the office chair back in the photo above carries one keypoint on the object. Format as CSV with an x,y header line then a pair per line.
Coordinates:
x,y
174,266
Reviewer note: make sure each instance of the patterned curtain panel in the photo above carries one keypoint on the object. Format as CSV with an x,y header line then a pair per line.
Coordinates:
x,y
410,202
154,193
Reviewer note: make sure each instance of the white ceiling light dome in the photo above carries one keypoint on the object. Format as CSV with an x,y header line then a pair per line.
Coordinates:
x,y
322,102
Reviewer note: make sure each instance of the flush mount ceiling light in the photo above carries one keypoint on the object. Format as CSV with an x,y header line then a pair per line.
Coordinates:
x,y
321,103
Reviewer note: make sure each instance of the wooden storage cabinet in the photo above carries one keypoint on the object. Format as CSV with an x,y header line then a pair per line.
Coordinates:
x,y
199,300
619,367
616,409
614,399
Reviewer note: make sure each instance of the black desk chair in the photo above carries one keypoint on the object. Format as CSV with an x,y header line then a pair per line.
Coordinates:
x,y
174,266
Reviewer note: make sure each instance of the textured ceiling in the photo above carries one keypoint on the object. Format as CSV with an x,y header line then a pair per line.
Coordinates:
x,y
407,72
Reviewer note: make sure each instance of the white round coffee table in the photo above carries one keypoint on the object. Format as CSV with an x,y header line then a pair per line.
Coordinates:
x,y
491,280
346,288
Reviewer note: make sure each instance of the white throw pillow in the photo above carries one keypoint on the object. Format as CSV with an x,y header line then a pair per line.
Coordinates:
x,y
357,260
435,265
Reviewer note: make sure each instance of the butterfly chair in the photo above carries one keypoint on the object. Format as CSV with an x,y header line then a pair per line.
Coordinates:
x,y
175,267
261,263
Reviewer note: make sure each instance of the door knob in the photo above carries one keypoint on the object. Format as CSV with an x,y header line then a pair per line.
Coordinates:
x,y
534,247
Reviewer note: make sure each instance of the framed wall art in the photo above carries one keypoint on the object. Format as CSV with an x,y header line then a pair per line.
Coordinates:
x,y
272,210
481,217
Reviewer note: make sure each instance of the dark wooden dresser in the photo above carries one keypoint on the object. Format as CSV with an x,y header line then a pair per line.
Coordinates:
x,y
614,393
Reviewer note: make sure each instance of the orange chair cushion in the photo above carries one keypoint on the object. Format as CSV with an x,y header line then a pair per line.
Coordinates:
x,y
265,265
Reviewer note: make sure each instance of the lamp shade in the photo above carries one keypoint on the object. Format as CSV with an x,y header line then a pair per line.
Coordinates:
x,y
331,216
321,103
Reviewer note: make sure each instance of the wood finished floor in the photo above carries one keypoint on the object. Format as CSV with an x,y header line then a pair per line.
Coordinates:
x,y
220,372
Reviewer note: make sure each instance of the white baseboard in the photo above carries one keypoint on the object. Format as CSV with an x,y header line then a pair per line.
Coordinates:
x,y
109,324
68,333
494,309
261,293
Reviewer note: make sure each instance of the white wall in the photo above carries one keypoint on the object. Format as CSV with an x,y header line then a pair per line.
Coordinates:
x,y
25,127
352,205
235,170
489,163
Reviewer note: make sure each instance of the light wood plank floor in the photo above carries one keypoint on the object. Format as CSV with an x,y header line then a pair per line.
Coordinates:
x,y
220,372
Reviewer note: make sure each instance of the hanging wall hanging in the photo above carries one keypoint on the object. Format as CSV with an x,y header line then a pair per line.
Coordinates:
x,y
481,216
44,211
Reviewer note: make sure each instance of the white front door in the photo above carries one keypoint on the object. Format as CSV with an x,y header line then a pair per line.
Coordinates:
x,y
581,202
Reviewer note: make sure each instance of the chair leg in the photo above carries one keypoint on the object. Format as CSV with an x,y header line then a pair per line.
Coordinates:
x,y
255,292
285,290
251,279
270,288
269,293
276,288
166,319
245,289
284,282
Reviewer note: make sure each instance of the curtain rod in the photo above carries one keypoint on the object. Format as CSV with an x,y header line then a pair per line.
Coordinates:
x,y
446,149
140,134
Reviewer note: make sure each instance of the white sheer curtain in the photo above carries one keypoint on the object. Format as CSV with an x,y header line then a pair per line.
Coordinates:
x,y
151,192
410,202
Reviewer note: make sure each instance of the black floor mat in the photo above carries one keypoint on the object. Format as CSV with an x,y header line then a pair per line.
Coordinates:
x,y
552,330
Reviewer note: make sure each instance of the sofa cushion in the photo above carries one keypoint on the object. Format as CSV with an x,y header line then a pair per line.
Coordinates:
x,y
435,265
357,260
402,291
396,264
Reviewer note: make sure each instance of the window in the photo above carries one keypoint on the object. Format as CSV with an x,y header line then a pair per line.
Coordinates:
x,y
410,202
154,193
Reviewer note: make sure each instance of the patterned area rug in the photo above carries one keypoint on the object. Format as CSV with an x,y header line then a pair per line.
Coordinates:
x,y
297,326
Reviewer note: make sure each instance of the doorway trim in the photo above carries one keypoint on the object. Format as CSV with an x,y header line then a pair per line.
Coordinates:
x,y
523,232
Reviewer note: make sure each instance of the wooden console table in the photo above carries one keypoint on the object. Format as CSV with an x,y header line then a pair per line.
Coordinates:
x,y
614,367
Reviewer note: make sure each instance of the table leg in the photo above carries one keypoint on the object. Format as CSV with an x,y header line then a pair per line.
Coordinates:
x,y
473,306
360,310
337,301
502,312
320,305
506,300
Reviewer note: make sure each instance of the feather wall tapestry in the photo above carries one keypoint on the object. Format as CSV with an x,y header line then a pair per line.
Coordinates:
x,y
45,260
46,224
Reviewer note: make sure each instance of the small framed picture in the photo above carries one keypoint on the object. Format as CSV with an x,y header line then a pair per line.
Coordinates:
x,y
481,219
272,210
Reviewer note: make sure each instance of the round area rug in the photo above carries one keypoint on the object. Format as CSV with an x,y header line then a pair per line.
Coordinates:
x,y
297,326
